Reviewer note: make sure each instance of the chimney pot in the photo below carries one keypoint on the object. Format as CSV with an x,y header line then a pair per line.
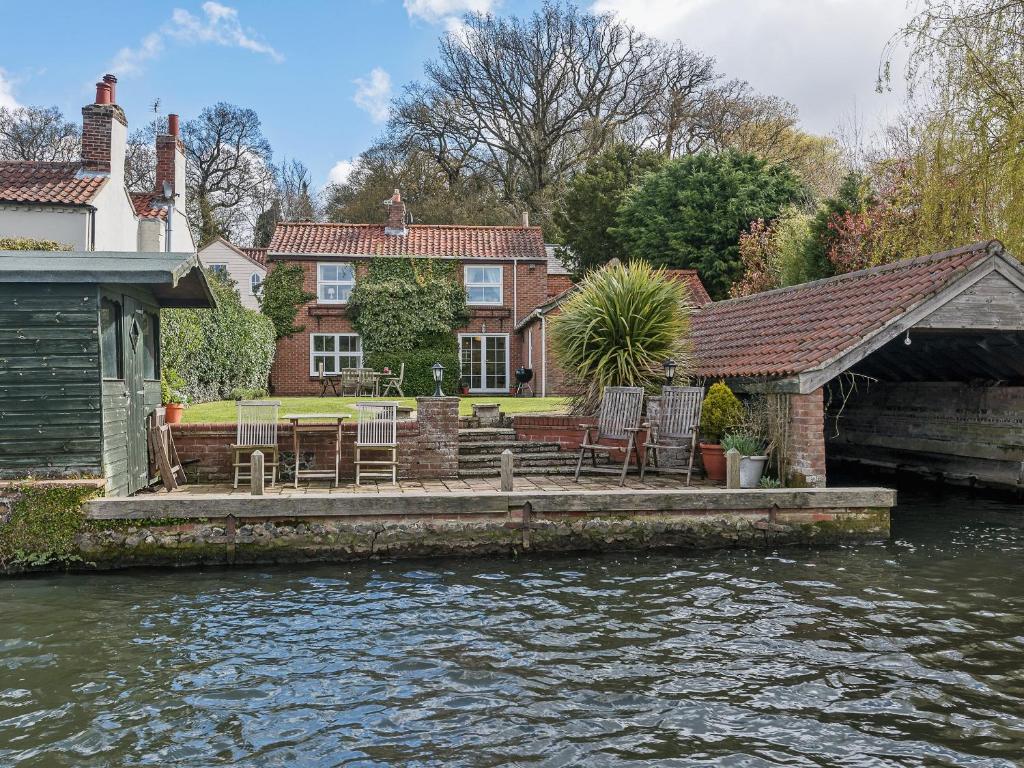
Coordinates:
x,y
111,82
172,125
102,92
396,215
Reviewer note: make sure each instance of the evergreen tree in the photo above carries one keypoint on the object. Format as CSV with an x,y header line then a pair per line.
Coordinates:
x,y
854,196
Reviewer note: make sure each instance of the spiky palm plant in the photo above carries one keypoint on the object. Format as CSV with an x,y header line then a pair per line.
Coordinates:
x,y
619,328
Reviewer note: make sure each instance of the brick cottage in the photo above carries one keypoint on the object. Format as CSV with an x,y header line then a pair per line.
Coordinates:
x,y
505,270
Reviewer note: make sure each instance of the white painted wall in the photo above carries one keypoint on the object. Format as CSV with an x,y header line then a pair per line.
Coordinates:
x,y
65,225
239,268
117,227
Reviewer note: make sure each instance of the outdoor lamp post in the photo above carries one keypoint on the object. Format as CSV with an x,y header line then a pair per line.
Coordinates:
x,y
438,370
670,371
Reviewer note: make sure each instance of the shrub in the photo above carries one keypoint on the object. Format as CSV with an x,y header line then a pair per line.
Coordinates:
x,y
618,328
419,380
172,387
281,295
247,393
217,351
30,244
744,442
722,410
769,482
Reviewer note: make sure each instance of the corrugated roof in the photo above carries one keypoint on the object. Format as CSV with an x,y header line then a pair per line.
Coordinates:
x,y
300,238
48,183
793,330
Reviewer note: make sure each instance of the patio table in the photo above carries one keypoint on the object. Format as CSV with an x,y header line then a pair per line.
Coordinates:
x,y
316,423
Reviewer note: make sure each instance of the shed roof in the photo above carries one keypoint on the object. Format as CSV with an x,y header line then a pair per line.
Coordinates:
x,y
175,278
815,326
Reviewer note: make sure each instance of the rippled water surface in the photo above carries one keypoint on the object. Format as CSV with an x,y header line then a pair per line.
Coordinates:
x,y
902,653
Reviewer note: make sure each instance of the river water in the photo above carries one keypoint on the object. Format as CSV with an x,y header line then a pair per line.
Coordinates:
x,y
908,652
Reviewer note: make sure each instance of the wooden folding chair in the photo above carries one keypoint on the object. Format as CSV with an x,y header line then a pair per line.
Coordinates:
x,y
618,420
376,441
395,383
674,427
326,380
257,430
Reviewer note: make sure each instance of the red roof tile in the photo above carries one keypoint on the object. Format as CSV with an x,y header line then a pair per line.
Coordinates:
x,y
52,183
420,240
259,255
145,208
792,330
698,293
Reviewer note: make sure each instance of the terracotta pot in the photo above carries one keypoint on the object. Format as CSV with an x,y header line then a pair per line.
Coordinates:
x,y
174,411
713,456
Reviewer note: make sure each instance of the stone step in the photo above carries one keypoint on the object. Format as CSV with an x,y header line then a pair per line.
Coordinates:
x,y
486,433
495,449
489,472
523,460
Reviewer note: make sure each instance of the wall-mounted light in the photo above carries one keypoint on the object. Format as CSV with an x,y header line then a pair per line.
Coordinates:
x,y
906,339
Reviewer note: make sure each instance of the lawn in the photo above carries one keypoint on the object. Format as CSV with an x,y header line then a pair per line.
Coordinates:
x,y
223,411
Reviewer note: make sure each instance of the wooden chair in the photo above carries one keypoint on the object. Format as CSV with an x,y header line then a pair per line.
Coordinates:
x,y
326,380
366,383
395,383
349,380
674,427
376,436
257,430
618,420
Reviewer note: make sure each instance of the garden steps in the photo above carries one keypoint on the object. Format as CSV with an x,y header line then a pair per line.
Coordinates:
x,y
480,452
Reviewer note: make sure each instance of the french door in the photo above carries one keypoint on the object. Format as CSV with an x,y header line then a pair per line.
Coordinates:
x,y
485,363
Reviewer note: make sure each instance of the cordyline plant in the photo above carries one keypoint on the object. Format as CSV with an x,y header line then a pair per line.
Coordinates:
x,y
618,329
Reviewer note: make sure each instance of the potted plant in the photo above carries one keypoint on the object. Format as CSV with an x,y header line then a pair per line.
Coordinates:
x,y
752,456
721,411
172,394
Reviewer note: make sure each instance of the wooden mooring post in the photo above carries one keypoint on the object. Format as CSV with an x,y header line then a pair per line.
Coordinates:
x,y
732,468
506,471
256,479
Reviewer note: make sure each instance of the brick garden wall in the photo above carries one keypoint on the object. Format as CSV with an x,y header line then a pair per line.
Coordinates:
x,y
564,430
807,437
427,446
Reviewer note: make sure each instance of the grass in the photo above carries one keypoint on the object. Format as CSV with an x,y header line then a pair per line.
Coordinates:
x,y
223,411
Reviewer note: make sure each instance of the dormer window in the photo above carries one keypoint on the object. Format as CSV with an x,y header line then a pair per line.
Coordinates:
x,y
334,283
483,284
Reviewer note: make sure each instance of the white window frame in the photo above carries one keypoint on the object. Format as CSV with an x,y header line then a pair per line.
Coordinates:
x,y
255,289
508,360
314,355
469,285
218,266
350,284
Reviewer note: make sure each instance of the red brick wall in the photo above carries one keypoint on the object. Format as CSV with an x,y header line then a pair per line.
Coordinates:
x,y
556,380
427,446
290,374
558,284
807,437
564,430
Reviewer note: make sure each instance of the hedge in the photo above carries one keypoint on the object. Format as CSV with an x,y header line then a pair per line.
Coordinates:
x,y
217,352
419,379
31,244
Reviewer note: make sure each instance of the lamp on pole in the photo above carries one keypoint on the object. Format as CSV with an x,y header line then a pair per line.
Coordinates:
x,y
670,371
438,370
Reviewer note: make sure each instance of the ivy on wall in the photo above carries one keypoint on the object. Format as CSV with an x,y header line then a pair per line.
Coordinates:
x,y
281,295
39,523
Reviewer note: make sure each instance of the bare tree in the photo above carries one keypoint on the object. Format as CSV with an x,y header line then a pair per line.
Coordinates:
x,y
682,100
230,172
38,133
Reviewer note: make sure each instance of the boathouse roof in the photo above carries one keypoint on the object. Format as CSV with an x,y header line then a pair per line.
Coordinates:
x,y
808,334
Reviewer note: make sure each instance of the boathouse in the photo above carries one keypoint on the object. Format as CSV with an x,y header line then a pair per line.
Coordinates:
x,y
915,365
80,359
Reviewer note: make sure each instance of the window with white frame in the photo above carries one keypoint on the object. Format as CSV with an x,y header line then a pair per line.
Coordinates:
x,y
220,270
335,351
334,282
255,283
483,285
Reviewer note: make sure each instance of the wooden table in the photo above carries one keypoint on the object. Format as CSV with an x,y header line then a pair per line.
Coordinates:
x,y
322,423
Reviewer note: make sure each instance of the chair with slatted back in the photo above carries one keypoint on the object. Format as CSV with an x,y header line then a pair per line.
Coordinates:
x,y
367,382
618,421
673,427
395,383
376,441
257,430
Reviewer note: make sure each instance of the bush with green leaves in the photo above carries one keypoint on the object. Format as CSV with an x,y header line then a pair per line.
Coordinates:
x,y
404,304
217,351
31,244
41,526
721,411
172,387
618,328
419,379
281,295
744,442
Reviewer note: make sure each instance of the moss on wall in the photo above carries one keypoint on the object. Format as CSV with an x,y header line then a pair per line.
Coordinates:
x,y
39,524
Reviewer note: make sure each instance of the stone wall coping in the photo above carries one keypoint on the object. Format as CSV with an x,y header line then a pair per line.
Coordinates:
x,y
231,427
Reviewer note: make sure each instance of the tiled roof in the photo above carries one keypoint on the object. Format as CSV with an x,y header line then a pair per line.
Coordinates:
x,y
259,255
52,183
144,207
419,240
698,293
793,330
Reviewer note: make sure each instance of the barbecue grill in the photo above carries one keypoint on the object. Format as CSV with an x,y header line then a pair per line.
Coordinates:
x,y
523,378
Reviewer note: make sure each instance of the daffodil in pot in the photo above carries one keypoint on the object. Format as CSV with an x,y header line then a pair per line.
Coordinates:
x,y
752,456
721,411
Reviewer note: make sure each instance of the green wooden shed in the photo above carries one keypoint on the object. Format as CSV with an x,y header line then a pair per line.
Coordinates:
x,y
80,359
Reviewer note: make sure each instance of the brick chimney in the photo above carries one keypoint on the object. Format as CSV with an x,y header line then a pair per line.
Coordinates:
x,y
170,161
105,132
396,215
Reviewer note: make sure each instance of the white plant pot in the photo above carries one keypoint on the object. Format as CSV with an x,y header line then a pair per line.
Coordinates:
x,y
751,469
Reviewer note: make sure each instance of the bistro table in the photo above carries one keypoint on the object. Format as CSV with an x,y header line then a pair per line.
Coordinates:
x,y
316,423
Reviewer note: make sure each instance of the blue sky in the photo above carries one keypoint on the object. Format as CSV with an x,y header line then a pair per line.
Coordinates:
x,y
319,72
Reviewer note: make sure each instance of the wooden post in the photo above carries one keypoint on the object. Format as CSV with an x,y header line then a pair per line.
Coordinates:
x,y
256,473
732,468
506,471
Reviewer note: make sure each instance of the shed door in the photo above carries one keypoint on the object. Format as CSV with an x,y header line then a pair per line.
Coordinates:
x,y
134,351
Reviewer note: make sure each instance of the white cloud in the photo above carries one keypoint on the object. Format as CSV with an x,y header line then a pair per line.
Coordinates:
x,y
373,94
340,171
822,55
7,92
219,25
447,12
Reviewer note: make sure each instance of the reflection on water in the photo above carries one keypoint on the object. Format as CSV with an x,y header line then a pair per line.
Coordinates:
x,y
902,653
